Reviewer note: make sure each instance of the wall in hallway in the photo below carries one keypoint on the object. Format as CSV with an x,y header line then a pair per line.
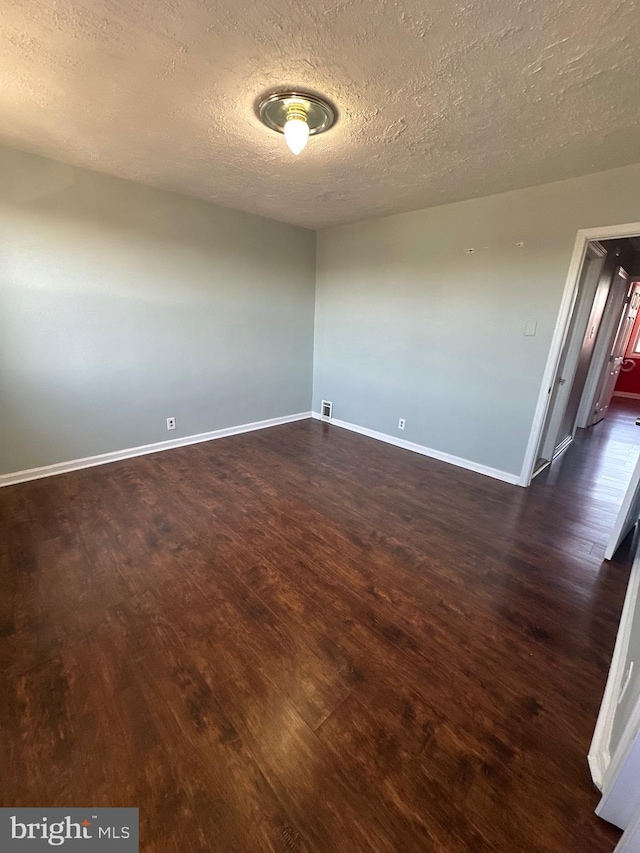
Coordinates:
x,y
629,381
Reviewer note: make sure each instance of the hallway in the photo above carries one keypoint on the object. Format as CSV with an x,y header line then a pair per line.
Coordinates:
x,y
593,474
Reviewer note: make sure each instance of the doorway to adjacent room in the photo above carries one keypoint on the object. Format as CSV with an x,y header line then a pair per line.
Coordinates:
x,y
600,329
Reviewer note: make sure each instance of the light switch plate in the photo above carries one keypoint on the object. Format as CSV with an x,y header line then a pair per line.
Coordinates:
x,y
530,328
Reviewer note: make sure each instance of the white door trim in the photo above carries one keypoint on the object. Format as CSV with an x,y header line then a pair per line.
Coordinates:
x,y
562,389
628,514
561,329
630,841
620,796
613,320
600,759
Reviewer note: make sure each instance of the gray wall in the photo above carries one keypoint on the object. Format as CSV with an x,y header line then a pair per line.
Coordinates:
x,y
121,305
409,325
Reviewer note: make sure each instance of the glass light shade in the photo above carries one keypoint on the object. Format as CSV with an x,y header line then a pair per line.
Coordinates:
x,y
296,133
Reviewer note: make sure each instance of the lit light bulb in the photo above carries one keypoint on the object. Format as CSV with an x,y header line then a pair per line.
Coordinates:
x,y
296,129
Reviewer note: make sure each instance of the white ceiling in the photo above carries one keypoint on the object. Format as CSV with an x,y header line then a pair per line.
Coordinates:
x,y
438,101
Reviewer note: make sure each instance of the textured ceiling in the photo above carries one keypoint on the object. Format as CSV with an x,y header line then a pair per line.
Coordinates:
x,y
438,101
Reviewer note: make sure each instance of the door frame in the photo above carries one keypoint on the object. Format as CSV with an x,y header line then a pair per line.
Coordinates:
x,y
569,357
612,321
561,330
603,765
600,358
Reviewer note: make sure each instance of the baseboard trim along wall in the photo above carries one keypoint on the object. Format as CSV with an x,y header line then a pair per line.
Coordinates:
x,y
599,752
628,394
130,452
505,476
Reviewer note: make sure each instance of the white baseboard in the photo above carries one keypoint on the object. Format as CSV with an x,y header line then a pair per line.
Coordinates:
x,y
505,476
128,453
599,752
628,394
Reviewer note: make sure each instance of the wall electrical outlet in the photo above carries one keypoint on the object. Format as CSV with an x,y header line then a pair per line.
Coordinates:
x,y
171,423
401,423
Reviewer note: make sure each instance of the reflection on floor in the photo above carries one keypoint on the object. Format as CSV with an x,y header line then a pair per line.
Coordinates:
x,y
596,470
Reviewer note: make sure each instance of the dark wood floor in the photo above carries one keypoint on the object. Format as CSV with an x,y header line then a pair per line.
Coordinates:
x,y
301,639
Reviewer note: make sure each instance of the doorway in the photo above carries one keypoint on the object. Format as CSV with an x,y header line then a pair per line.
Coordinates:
x,y
623,288
599,323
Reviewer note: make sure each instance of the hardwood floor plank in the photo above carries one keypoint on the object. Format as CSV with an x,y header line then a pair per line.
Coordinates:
x,y
305,640
332,811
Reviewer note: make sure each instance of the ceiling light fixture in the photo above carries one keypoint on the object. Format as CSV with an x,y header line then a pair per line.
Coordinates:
x,y
298,115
